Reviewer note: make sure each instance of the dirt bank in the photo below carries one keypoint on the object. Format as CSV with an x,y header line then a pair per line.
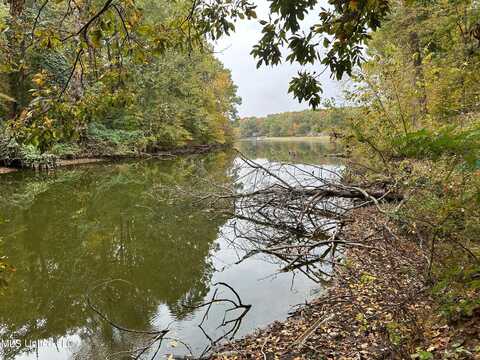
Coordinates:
x,y
378,307
6,170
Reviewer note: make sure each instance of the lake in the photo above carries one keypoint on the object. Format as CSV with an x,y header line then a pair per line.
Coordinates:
x,y
113,234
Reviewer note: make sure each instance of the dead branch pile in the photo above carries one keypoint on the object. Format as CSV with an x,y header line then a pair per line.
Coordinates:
x,y
291,213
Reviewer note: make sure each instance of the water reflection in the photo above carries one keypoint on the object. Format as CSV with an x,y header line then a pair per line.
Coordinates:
x,y
312,151
68,231
96,223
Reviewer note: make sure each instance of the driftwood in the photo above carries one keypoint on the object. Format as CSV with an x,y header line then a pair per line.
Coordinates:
x,y
231,326
153,339
300,341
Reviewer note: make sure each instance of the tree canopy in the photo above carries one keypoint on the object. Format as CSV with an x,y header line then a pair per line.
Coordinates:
x,y
111,75
140,29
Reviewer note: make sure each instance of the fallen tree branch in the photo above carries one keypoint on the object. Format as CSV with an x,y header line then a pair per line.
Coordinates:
x,y
292,213
300,341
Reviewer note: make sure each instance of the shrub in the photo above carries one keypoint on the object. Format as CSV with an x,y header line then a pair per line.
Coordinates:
x,y
113,141
14,154
427,144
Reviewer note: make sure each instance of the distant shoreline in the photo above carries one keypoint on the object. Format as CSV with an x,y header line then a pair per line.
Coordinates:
x,y
289,138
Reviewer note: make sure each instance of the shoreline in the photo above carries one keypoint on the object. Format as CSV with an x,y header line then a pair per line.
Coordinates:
x,y
348,320
316,138
379,306
92,158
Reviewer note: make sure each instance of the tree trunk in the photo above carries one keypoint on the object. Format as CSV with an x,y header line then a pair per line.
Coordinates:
x,y
420,98
16,7
17,80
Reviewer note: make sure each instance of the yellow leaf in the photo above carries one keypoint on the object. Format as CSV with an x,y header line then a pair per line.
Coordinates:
x,y
39,79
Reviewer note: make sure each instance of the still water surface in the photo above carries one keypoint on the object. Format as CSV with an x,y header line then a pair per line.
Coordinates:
x,y
71,230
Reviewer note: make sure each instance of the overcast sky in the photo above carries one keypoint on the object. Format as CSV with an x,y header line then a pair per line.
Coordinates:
x,y
265,90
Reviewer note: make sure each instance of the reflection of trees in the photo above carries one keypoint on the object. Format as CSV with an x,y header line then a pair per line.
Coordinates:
x,y
306,152
96,223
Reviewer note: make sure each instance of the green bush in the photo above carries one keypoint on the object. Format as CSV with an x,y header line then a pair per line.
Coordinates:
x,y
27,156
427,144
114,136
114,141
9,148
455,289
66,150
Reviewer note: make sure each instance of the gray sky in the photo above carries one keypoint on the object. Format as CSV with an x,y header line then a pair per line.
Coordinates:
x,y
265,90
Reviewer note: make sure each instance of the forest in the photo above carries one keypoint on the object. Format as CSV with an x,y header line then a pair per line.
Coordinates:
x,y
388,232
300,123
112,91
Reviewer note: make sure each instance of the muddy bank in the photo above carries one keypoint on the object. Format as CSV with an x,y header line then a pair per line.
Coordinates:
x,y
378,307
6,170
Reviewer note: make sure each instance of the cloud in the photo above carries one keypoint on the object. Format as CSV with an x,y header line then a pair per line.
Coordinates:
x,y
265,90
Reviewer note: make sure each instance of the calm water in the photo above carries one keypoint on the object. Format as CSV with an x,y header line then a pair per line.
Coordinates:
x,y
69,231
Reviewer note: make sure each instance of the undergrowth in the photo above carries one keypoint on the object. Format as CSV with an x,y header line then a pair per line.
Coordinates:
x,y
463,144
440,177
26,156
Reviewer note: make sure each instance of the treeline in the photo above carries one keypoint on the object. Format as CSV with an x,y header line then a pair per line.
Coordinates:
x,y
300,123
106,89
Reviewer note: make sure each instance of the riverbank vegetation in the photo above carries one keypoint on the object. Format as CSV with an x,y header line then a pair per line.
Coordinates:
x,y
300,123
420,97
416,129
113,89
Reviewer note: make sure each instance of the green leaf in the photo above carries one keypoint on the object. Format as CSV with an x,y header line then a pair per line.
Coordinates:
x,y
96,37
